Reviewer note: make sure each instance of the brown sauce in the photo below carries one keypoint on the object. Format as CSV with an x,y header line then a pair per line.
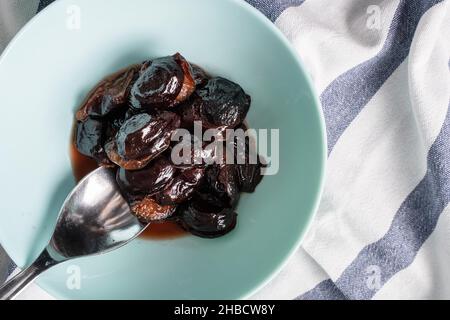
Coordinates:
x,y
163,231
83,165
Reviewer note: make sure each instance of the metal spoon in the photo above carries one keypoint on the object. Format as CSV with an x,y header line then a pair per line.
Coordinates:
x,y
94,219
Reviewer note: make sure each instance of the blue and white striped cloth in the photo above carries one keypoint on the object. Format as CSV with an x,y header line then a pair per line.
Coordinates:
x,y
382,68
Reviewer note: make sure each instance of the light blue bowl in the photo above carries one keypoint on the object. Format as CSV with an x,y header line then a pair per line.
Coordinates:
x,y
48,69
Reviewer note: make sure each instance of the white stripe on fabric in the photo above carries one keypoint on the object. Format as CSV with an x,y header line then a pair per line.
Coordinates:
x,y
301,274
428,62
337,39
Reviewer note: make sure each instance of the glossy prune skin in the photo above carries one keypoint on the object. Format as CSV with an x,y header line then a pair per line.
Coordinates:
x,y
182,187
89,139
149,210
147,181
114,121
200,76
189,83
207,221
110,95
158,85
113,156
164,83
228,183
249,176
141,139
221,103
249,173
220,186
186,112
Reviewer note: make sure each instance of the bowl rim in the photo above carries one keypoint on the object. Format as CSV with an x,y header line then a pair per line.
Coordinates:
x,y
243,5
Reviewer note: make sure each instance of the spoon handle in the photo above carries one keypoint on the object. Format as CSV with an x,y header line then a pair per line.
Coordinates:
x,y
7,266
19,282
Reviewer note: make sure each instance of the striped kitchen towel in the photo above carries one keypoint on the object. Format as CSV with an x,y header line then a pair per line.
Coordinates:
x,y
382,68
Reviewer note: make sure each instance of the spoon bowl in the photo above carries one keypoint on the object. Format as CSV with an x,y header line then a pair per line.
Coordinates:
x,y
94,219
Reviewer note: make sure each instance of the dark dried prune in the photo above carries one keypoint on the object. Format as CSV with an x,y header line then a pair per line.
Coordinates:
x,y
111,94
249,176
145,66
207,190
200,76
89,139
147,181
205,220
114,121
186,112
228,182
248,167
220,186
164,83
144,131
189,83
148,210
220,104
141,139
182,187
111,151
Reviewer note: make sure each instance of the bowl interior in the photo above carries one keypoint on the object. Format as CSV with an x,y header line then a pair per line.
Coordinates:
x,y
52,64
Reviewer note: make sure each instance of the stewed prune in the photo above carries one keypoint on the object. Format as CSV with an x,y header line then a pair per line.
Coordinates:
x,y
114,121
110,95
182,187
220,103
128,121
207,190
113,156
249,167
141,139
147,181
186,112
220,186
189,83
228,183
89,139
148,210
249,176
204,220
200,76
164,83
